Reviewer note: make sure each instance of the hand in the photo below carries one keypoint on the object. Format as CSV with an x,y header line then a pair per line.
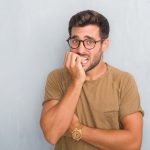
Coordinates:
x,y
73,63
74,123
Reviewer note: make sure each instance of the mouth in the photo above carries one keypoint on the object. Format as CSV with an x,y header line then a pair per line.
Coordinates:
x,y
84,60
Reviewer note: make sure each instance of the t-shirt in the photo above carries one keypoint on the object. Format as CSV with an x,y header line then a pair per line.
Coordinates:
x,y
102,102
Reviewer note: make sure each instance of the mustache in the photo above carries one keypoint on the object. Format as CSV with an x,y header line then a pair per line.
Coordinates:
x,y
82,55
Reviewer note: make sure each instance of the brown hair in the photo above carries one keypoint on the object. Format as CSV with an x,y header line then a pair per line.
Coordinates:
x,y
88,17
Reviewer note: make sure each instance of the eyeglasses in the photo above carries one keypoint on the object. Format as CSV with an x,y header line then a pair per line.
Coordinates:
x,y
88,43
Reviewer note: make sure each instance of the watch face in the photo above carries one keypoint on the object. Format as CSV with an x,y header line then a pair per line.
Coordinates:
x,y
76,134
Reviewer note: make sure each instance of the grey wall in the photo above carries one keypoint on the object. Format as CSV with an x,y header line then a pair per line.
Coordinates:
x,y
32,43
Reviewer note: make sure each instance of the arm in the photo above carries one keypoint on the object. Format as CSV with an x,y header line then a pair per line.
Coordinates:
x,y
129,138
56,117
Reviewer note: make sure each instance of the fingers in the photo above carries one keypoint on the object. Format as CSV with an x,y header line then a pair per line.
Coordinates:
x,y
70,59
73,64
78,60
73,58
66,57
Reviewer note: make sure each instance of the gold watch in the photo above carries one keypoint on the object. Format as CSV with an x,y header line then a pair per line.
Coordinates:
x,y
77,133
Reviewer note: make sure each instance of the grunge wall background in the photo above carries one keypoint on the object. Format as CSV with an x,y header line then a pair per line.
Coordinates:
x,y
33,37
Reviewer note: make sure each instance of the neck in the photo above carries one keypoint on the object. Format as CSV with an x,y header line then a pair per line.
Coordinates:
x,y
96,72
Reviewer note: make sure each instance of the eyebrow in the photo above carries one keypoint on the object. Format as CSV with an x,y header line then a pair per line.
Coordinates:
x,y
87,37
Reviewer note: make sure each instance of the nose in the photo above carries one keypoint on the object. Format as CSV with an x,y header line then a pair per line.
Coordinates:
x,y
81,49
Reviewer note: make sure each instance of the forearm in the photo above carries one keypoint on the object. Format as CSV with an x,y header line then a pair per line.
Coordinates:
x,y
57,119
110,139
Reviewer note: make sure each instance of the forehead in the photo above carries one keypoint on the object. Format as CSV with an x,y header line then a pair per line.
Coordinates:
x,y
89,30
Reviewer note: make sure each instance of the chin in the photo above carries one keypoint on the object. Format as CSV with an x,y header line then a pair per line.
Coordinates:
x,y
85,68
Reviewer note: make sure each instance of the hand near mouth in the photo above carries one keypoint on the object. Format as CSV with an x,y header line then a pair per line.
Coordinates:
x,y
73,62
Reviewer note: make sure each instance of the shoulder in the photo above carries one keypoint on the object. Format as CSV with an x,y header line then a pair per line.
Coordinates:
x,y
59,74
119,74
57,71
120,77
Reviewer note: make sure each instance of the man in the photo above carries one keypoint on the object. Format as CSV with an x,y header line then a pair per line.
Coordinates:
x,y
89,104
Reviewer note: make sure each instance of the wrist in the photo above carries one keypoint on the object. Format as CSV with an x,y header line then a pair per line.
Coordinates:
x,y
77,132
76,125
78,83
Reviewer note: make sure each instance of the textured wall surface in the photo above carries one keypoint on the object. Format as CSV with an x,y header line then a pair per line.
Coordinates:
x,y
32,43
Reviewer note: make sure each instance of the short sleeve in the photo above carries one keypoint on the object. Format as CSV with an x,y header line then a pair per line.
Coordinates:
x,y
53,88
129,97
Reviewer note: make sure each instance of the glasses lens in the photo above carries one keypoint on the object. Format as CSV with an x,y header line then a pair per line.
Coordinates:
x,y
74,43
89,43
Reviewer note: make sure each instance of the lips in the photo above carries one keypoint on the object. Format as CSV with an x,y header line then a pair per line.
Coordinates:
x,y
84,60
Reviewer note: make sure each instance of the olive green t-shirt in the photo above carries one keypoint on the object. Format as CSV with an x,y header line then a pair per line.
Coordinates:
x,y
102,103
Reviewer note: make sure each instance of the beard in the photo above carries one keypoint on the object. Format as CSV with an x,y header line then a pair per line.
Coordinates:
x,y
95,62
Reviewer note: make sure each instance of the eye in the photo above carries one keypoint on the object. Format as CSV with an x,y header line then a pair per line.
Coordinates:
x,y
89,42
74,41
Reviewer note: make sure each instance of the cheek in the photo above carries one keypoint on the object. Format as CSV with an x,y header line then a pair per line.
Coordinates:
x,y
91,56
93,53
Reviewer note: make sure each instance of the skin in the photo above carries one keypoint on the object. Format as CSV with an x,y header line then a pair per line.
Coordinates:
x,y
94,68
53,111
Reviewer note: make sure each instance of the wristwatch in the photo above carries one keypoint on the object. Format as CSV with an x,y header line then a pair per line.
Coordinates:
x,y
77,133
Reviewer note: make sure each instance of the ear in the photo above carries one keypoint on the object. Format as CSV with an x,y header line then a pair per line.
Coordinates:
x,y
105,45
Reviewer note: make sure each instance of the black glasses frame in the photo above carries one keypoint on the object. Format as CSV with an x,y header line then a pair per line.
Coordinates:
x,y
83,43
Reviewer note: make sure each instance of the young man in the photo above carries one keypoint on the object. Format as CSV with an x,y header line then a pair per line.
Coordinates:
x,y
89,104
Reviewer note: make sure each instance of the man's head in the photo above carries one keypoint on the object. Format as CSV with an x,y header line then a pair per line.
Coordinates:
x,y
88,32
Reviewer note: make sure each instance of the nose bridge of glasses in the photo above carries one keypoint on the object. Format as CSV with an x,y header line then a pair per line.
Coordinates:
x,y
81,47
81,41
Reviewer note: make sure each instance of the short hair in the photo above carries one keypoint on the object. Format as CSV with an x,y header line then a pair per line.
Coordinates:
x,y
88,17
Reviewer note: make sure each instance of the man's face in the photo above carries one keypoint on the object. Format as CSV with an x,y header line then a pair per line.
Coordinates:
x,y
90,58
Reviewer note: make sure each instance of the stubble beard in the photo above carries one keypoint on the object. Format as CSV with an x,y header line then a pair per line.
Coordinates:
x,y
96,61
